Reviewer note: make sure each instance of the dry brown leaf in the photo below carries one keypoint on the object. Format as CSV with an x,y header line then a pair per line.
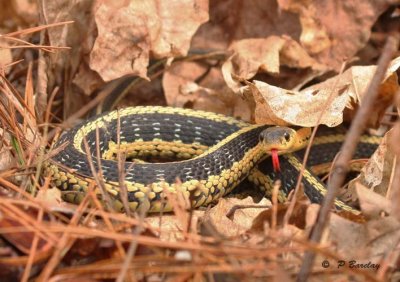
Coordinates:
x,y
50,196
368,242
170,226
279,106
233,20
376,174
87,80
69,70
123,39
179,20
313,24
371,203
348,236
21,240
329,40
242,218
129,30
126,36
372,240
251,56
299,218
384,237
254,54
210,94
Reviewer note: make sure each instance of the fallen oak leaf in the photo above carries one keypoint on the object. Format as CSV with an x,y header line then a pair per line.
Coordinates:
x,y
274,105
256,54
234,20
268,55
331,41
129,31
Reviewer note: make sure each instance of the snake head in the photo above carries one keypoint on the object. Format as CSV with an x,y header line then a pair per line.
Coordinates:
x,y
284,139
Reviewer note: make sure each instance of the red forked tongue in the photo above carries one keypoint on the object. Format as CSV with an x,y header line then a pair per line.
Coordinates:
x,y
275,160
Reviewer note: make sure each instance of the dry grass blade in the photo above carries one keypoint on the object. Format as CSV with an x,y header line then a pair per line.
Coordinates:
x,y
34,29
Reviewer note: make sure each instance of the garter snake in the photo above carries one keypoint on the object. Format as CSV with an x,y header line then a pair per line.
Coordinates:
x,y
213,154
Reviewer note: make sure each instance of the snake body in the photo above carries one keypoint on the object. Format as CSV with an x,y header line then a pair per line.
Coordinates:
x,y
213,154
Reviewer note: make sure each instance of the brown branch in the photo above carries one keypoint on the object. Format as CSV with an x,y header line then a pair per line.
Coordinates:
x,y
347,150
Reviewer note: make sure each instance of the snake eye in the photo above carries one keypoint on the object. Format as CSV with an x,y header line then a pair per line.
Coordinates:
x,y
287,136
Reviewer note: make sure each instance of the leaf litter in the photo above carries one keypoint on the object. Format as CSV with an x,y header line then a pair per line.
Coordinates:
x,y
274,62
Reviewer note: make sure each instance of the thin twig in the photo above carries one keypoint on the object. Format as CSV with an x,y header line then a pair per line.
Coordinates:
x,y
348,148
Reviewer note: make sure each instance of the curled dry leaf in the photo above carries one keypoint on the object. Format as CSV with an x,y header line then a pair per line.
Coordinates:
x,y
128,31
329,40
274,105
169,227
255,55
52,197
232,20
245,210
371,203
210,94
252,55
376,174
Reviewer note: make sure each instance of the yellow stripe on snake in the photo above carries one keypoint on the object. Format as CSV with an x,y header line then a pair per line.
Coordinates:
x,y
212,154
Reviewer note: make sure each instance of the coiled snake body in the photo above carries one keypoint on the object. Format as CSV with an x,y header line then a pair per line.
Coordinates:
x,y
213,154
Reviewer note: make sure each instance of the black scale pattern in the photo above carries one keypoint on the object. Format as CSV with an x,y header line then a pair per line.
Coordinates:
x,y
200,168
171,128
288,177
324,154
